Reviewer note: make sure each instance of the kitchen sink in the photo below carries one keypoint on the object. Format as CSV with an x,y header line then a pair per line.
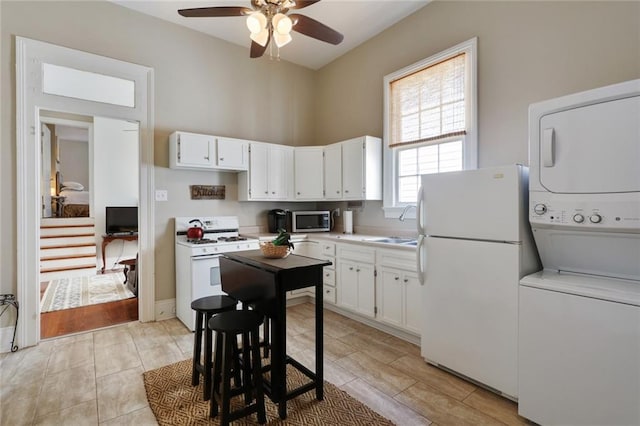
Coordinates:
x,y
411,243
394,240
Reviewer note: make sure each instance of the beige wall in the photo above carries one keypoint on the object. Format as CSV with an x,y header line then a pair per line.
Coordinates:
x,y
202,84
527,52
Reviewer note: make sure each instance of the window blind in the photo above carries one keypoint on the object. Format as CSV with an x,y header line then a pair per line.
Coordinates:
x,y
428,105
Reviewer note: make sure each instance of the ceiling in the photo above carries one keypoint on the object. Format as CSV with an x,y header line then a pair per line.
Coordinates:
x,y
358,20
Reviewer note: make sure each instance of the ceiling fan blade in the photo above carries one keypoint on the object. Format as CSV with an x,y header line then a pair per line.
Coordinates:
x,y
303,3
210,12
257,50
312,28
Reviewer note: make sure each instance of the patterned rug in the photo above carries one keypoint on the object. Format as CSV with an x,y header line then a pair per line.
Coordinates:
x,y
175,402
73,292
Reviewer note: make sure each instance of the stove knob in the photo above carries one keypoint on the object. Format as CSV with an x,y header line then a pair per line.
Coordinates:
x,y
595,218
540,209
578,218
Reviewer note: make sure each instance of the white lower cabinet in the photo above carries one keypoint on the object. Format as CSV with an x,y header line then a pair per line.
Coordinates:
x,y
399,291
356,279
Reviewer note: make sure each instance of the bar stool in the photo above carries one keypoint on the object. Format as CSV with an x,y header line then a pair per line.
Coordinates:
x,y
251,296
228,325
205,308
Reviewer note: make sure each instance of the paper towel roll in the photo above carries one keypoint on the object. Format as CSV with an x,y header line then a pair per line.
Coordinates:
x,y
348,221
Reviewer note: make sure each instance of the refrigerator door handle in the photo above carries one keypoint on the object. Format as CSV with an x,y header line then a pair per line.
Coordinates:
x,y
419,218
419,268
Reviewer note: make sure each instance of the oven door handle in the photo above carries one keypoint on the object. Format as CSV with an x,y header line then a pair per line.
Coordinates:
x,y
206,256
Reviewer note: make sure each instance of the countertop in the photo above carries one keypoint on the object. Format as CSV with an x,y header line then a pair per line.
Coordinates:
x,y
359,239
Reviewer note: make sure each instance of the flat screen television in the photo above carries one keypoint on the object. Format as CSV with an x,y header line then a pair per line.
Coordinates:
x,y
121,220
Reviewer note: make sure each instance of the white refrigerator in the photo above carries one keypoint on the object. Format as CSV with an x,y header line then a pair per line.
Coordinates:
x,y
474,245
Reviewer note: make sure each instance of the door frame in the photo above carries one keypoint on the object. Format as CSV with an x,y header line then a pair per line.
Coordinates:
x,y
30,99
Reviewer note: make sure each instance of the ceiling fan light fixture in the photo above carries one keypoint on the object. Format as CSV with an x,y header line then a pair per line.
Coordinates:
x,y
256,22
288,4
281,24
261,37
281,39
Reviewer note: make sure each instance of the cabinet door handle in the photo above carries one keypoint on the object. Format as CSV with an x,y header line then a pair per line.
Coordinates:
x,y
266,192
346,190
298,193
351,268
326,275
357,270
337,192
397,278
405,280
221,158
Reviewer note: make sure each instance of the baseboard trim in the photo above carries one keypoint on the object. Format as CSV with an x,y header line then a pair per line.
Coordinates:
x,y
165,309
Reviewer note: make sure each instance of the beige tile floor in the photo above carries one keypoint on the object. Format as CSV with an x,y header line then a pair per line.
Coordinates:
x,y
95,378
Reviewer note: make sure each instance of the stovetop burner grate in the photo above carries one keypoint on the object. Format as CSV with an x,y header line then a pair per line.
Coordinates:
x,y
202,241
231,239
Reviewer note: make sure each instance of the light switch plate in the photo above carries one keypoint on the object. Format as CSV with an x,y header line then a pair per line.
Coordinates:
x,y
162,195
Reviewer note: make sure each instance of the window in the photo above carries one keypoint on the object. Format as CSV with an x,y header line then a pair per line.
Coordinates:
x,y
430,122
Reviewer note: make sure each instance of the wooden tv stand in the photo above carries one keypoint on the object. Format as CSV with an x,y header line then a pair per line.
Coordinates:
x,y
108,238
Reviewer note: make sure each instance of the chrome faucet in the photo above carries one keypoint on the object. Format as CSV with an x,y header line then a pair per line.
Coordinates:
x,y
404,212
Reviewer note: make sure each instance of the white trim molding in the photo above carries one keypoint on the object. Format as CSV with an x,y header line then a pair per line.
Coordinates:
x,y
165,309
470,146
30,100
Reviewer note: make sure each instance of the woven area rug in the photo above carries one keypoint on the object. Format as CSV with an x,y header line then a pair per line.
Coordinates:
x,y
73,292
175,402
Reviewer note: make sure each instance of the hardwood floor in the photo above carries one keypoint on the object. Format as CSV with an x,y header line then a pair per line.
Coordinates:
x,y
85,318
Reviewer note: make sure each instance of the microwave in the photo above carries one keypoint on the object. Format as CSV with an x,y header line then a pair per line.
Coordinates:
x,y
310,221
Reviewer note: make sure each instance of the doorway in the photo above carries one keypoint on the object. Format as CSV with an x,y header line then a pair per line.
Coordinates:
x,y
77,185
46,79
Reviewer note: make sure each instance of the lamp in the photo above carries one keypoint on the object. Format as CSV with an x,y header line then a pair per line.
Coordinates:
x,y
281,26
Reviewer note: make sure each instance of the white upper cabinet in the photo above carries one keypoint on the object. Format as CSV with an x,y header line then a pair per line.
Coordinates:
x,y
270,175
280,172
333,172
207,152
362,168
232,154
353,169
191,151
308,164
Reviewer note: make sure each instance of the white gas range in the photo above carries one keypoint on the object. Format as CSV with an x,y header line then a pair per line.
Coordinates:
x,y
197,261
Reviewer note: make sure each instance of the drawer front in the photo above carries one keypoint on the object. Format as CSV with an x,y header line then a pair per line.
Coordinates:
x,y
357,253
397,259
329,277
329,294
328,249
331,259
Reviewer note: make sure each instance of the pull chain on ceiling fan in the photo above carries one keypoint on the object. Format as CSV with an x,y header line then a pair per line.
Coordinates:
x,y
269,19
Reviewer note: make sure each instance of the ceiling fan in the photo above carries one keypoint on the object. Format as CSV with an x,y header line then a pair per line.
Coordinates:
x,y
269,19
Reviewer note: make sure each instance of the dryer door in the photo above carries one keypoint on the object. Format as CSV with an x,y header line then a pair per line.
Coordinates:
x,y
591,149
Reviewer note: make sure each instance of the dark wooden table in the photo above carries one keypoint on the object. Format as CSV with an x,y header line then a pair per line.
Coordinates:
x,y
246,271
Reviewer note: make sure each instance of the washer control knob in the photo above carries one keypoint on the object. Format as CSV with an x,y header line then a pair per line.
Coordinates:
x,y
578,218
595,218
540,209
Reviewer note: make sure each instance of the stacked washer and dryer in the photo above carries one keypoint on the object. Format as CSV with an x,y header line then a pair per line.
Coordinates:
x,y
579,318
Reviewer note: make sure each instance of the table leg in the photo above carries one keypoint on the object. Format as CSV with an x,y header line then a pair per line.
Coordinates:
x,y
319,338
104,259
279,354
